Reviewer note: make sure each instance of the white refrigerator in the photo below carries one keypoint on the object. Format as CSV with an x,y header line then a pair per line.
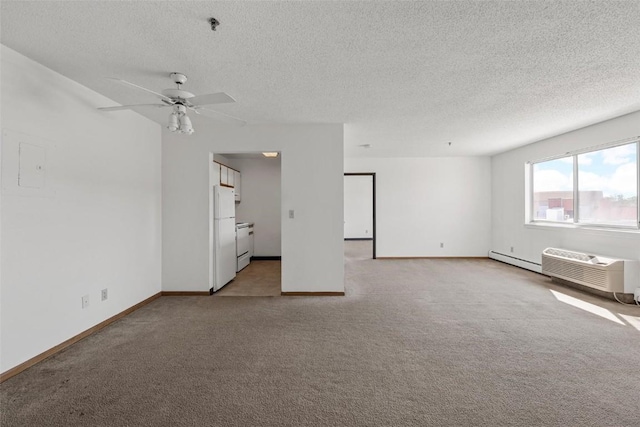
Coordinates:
x,y
224,236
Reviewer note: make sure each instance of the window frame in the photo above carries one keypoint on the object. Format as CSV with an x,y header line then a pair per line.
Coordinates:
x,y
576,223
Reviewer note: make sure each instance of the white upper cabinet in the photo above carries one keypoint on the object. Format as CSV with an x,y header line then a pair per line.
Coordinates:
x,y
216,173
237,183
231,177
224,175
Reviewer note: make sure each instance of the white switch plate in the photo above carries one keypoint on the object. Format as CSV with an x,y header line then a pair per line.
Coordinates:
x,y
85,301
291,214
104,294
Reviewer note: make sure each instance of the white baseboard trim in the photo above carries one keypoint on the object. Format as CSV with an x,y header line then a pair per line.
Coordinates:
x,y
518,262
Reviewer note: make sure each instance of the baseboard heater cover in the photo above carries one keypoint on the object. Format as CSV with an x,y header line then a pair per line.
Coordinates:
x,y
595,271
518,262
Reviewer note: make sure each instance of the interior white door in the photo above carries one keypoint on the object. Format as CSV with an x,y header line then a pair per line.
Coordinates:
x,y
358,207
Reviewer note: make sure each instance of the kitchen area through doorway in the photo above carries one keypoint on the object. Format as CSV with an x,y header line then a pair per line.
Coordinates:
x,y
246,224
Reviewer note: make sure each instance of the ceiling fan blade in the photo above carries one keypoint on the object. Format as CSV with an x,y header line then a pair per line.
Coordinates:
x,y
129,107
211,98
218,115
159,95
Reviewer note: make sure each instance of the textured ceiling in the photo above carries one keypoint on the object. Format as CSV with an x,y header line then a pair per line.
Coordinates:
x,y
405,77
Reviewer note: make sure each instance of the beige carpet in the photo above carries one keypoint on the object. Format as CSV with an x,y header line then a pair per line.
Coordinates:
x,y
414,343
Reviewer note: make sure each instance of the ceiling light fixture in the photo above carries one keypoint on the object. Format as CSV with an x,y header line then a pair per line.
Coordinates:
x,y
270,154
179,121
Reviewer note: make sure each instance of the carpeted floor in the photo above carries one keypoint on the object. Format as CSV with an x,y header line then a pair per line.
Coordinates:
x,y
413,343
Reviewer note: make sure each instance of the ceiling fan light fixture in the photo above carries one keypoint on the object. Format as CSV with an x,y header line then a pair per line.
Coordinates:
x,y
185,124
180,102
173,122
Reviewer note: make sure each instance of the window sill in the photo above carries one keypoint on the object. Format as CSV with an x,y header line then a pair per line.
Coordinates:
x,y
587,229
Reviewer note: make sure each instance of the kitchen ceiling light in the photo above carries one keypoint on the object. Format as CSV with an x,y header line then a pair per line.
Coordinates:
x,y
270,154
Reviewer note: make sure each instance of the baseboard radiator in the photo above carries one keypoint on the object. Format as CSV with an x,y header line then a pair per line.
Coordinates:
x,y
518,262
594,271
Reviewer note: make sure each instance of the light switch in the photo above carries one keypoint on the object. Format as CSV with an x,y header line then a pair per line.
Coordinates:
x,y
291,214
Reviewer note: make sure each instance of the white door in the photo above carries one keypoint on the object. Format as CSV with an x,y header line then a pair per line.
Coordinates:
x,y
358,207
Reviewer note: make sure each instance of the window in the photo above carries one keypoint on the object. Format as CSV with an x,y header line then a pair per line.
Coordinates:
x,y
596,187
553,190
608,186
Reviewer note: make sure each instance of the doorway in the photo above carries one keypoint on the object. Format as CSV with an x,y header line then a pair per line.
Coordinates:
x,y
360,208
256,183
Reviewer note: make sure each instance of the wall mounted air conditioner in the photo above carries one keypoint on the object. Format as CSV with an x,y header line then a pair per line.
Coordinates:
x,y
595,271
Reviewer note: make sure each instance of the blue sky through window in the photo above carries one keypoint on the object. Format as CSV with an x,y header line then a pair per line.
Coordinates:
x,y
612,171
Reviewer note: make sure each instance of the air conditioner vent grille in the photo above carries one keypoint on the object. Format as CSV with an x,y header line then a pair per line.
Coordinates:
x,y
575,272
598,272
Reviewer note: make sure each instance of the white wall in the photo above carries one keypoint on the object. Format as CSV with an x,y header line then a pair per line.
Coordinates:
x,y
312,163
422,202
508,206
358,207
261,202
96,223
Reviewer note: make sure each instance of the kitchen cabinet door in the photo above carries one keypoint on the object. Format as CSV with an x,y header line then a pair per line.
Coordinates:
x,y
224,175
216,173
237,184
230,177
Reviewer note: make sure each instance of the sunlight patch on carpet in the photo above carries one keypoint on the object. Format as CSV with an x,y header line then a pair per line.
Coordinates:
x,y
586,306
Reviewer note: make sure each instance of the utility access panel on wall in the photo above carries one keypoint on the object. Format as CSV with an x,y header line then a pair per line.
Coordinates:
x,y
32,160
25,165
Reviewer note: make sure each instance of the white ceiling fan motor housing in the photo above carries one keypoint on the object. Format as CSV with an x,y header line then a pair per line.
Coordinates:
x,y
179,79
177,93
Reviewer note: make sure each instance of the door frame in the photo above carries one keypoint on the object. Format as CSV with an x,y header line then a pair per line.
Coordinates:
x,y
373,175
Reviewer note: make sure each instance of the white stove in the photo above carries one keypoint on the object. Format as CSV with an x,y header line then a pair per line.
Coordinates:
x,y
244,244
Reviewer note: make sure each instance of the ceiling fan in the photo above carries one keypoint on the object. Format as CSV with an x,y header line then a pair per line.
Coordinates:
x,y
180,101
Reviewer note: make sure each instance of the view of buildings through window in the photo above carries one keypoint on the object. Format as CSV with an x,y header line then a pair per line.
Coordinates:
x,y
607,188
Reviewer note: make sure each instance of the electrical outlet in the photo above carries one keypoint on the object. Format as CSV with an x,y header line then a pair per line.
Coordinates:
x,y
442,245
104,294
511,249
291,214
85,301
